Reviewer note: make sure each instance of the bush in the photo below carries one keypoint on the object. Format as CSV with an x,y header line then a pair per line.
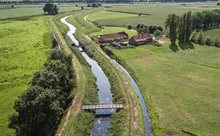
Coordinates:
x,y
140,14
208,41
129,27
200,38
193,36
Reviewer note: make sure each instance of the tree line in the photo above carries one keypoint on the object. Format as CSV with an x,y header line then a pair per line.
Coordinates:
x,y
40,108
180,27
94,1
206,19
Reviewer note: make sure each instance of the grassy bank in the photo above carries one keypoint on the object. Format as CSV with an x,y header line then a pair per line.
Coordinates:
x,y
25,45
180,85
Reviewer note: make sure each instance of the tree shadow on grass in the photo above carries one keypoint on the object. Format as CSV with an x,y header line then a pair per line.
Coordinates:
x,y
174,47
186,46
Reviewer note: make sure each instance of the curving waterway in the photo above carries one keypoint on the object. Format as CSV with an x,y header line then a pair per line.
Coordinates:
x,y
101,124
148,130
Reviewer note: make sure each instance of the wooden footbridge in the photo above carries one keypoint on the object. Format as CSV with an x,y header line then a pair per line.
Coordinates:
x,y
102,106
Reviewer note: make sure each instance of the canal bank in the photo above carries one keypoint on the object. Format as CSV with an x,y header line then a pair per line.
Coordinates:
x,y
101,124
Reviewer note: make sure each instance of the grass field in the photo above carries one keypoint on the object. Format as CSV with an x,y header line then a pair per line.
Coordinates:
x,y
25,45
183,85
103,14
123,15
30,10
107,30
212,33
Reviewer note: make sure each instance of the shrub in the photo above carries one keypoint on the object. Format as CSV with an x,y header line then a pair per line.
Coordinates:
x,y
140,14
129,27
208,41
193,36
200,38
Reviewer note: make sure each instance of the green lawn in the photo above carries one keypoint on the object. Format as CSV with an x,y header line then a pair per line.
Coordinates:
x,y
105,14
25,45
124,15
107,30
183,85
211,33
26,10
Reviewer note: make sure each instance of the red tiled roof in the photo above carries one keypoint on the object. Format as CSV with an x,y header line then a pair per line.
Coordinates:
x,y
113,36
141,37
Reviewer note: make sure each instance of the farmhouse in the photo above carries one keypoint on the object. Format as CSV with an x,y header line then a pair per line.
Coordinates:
x,y
140,39
112,37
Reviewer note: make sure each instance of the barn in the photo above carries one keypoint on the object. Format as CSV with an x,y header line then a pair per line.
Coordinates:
x,y
112,37
140,39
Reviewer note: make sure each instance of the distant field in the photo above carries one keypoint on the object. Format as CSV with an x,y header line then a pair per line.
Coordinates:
x,y
157,13
30,10
212,33
184,85
105,14
107,30
25,45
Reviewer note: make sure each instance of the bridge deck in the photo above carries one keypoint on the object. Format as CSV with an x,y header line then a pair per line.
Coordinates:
x,y
102,106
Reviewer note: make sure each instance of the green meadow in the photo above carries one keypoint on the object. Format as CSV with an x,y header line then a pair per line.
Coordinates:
x,y
107,30
181,82
211,33
25,45
26,10
151,14
183,86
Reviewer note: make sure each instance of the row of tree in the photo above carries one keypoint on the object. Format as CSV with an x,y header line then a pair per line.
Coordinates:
x,y
107,1
197,37
206,19
142,28
180,27
41,107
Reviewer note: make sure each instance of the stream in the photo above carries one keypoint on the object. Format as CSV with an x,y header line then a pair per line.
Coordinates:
x,y
148,130
102,123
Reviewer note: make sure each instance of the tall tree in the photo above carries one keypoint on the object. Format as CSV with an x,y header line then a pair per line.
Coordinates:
x,y
181,30
172,24
197,20
38,112
50,8
188,27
